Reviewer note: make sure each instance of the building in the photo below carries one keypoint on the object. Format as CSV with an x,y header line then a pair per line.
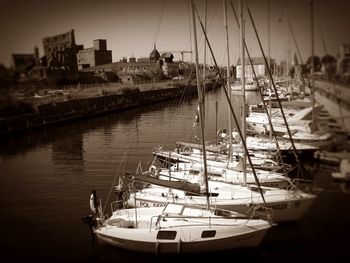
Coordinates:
x,y
132,59
94,56
283,68
25,64
154,56
61,51
343,63
143,59
22,61
167,57
153,67
259,68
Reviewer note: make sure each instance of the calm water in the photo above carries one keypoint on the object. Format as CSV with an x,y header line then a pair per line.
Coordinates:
x,y
46,178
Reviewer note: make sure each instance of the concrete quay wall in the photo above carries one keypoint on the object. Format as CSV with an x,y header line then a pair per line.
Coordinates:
x,y
336,99
58,112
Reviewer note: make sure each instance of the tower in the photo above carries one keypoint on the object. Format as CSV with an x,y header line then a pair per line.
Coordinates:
x,y
36,56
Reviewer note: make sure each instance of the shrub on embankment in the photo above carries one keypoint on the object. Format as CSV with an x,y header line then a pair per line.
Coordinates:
x,y
12,106
27,100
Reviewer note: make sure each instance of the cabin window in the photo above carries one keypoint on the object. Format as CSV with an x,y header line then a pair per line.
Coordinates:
x,y
208,233
166,235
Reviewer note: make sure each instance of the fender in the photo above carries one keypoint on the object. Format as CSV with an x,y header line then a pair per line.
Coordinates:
x,y
92,205
93,202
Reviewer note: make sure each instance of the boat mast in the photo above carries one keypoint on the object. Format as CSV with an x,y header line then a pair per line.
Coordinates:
x,y
269,61
204,62
243,89
200,103
268,32
231,109
275,90
259,88
312,65
228,82
205,43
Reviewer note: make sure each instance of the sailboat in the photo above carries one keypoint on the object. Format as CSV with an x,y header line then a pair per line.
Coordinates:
x,y
176,228
217,156
224,170
179,228
287,204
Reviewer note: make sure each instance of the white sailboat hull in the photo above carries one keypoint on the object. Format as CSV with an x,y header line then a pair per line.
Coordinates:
x,y
179,235
266,178
222,171
286,205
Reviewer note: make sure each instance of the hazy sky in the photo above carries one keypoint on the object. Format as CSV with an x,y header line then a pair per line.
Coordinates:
x,y
131,26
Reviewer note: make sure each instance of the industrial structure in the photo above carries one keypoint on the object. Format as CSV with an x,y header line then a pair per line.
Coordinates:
x,y
61,51
94,56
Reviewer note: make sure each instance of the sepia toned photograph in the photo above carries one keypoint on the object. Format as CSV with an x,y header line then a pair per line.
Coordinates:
x,y
175,130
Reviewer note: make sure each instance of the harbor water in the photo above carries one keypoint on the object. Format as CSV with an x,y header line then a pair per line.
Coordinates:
x,y
46,178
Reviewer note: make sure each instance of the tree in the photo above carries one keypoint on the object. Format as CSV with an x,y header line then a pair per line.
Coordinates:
x,y
317,63
328,59
6,75
329,65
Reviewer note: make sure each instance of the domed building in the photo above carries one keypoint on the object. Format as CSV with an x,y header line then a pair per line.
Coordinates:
x,y
154,56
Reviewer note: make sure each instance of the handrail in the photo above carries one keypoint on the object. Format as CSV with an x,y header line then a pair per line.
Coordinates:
x,y
114,205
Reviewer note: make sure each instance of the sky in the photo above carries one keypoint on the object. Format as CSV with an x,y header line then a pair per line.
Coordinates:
x,y
132,27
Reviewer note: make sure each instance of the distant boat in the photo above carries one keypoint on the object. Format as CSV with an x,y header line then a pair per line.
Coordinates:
x,y
316,139
249,86
331,157
344,173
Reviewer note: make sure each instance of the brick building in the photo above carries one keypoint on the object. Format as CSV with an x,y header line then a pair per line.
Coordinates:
x,y
61,51
94,56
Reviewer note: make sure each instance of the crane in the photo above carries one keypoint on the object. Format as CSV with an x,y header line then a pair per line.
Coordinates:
x,y
181,52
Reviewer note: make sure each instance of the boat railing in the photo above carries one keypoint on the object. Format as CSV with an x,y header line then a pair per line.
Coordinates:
x,y
117,205
300,184
222,214
262,212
